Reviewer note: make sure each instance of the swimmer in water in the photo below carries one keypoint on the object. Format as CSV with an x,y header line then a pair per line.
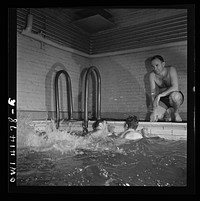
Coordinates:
x,y
130,127
100,128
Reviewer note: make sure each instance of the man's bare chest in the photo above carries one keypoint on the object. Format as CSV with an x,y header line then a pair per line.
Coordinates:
x,y
163,82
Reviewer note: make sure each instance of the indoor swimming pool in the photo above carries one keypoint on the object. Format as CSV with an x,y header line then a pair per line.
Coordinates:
x,y
101,97
64,158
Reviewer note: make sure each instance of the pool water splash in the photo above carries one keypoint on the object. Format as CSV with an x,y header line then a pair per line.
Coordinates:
x,y
140,164
64,158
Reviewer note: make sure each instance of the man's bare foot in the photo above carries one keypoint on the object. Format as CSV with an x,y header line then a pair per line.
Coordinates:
x,y
177,117
168,115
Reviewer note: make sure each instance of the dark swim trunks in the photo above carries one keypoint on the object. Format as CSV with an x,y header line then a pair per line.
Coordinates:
x,y
165,99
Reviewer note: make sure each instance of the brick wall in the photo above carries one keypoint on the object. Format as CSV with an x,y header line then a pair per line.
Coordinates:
x,y
125,83
36,68
124,79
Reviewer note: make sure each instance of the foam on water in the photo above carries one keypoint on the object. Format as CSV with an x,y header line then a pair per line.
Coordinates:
x,y
64,141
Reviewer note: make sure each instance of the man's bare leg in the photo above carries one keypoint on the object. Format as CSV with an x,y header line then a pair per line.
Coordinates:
x,y
168,114
176,100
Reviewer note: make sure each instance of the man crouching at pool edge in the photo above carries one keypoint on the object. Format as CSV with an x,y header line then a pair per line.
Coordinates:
x,y
169,96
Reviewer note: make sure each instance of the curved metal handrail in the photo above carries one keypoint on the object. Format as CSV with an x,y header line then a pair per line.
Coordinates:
x,y
69,96
95,71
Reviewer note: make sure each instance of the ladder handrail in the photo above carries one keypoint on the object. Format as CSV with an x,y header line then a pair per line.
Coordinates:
x,y
69,96
95,71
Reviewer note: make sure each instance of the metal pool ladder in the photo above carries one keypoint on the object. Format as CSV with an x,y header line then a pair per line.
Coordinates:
x,y
69,96
95,72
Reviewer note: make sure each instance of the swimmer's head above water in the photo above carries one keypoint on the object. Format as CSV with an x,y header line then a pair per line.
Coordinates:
x,y
130,126
99,128
131,122
99,124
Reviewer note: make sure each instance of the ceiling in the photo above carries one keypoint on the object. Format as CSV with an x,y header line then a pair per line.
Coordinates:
x,y
93,20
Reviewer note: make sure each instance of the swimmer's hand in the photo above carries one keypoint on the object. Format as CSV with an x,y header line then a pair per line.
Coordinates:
x,y
144,132
110,128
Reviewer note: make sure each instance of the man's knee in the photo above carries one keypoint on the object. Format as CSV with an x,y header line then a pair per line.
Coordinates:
x,y
176,97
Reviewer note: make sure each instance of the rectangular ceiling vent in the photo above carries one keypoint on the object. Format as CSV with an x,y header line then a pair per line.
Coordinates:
x,y
93,20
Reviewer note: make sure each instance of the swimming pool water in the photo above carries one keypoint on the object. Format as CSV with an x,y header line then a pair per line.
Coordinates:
x,y
151,161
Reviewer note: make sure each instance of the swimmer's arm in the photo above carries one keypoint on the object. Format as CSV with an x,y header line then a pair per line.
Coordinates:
x,y
174,83
122,134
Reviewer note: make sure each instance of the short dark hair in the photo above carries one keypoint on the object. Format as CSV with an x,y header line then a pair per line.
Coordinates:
x,y
158,57
96,123
132,122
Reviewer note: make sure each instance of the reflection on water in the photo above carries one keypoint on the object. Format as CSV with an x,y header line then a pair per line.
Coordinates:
x,y
79,161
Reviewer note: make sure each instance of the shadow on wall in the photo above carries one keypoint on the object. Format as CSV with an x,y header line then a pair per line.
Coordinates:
x,y
121,91
91,94
50,92
147,85
49,87
80,93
